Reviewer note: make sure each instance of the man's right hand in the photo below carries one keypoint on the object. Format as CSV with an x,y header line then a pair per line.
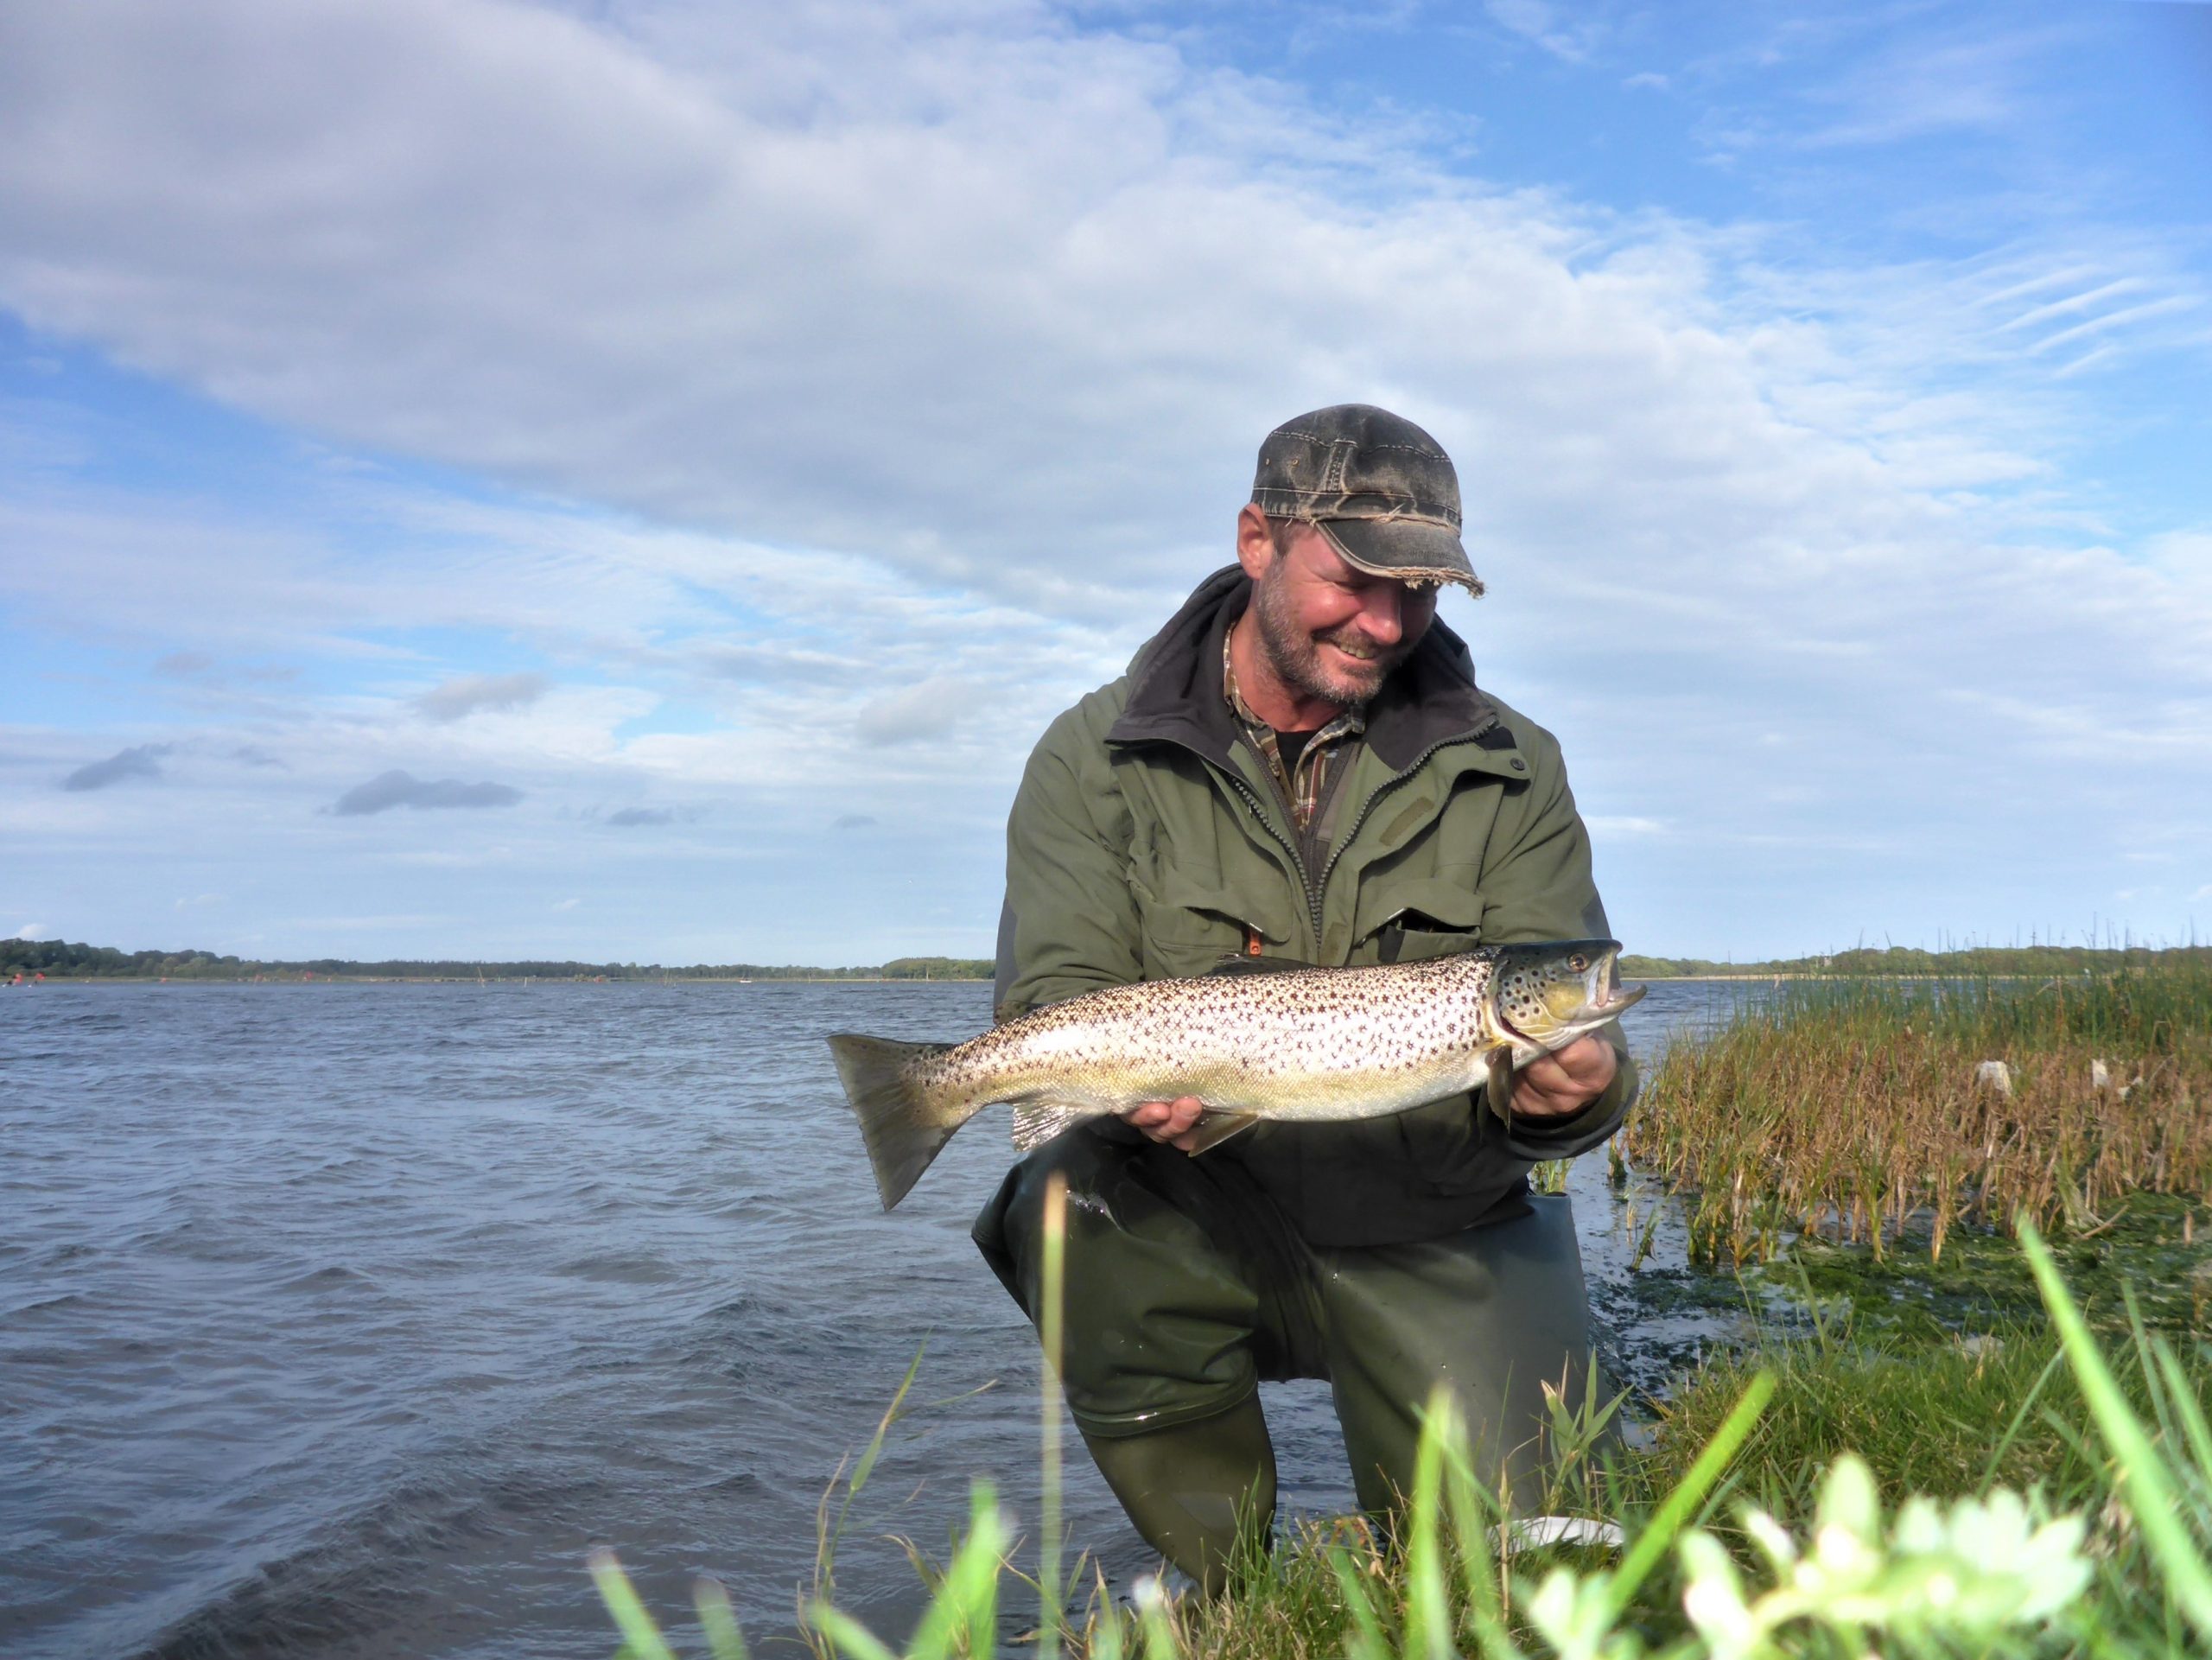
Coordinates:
x,y
1169,1122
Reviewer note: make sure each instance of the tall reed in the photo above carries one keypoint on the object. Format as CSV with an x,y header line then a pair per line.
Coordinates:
x,y
1848,1107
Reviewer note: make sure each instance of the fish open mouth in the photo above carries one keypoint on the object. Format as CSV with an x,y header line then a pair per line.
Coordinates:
x,y
1613,996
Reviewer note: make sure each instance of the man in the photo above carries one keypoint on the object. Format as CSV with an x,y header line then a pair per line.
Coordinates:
x,y
1299,765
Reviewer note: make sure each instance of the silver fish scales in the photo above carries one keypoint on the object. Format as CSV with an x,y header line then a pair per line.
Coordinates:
x,y
1305,1045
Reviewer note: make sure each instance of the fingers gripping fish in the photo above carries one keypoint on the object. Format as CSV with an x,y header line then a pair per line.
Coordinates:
x,y
1305,1047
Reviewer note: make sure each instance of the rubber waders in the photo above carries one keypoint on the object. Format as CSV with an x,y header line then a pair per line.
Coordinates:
x,y
1202,1494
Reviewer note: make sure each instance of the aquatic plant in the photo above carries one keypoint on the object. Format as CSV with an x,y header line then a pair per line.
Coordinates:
x,y
1852,1108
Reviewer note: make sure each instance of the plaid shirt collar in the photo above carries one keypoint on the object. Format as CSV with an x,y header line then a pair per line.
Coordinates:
x,y
1301,786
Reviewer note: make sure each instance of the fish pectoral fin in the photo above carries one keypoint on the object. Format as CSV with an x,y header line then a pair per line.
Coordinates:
x,y
1498,1090
1214,1128
1036,1122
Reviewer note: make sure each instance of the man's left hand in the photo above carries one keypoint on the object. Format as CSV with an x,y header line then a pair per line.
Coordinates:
x,y
1559,1084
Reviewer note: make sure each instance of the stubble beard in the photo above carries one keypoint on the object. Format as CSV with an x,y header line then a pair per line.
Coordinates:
x,y
1295,655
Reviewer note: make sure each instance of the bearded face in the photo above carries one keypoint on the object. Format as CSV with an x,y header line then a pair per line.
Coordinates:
x,y
1331,632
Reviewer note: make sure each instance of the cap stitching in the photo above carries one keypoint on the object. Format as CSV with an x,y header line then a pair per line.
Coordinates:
x,y
1318,438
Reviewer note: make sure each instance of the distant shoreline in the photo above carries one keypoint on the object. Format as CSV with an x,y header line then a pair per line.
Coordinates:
x,y
26,961
525,982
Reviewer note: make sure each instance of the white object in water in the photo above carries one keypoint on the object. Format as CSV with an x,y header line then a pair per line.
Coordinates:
x,y
1997,1075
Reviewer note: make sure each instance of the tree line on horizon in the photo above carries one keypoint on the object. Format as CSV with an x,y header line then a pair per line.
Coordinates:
x,y
60,959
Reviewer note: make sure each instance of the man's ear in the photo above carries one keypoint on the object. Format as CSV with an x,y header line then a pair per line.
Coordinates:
x,y
1255,542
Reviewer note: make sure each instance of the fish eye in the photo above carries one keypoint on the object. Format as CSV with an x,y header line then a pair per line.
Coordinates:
x,y
1577,963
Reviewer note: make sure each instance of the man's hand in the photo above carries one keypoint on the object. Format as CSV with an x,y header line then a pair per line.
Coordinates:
x,y
1551,1086
1170,1122
1561,1083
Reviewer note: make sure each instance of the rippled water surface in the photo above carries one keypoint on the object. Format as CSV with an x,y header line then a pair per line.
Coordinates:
x,y
344,1319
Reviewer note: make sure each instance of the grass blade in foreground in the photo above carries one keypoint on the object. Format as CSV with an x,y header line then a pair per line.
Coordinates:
x,y
2154,1497
1672,1517
1051,1594
639,1635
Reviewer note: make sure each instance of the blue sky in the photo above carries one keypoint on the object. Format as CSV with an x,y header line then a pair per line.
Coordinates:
x,y
631,481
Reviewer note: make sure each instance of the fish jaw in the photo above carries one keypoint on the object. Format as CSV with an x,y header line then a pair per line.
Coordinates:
x,y
1582,992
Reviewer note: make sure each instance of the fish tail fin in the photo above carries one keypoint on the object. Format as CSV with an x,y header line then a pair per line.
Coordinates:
x,y
903,1129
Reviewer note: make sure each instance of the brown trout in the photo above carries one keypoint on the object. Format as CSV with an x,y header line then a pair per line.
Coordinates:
x,y
1302,1046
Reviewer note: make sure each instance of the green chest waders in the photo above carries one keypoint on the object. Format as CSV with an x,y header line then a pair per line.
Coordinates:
x,y
1185,1288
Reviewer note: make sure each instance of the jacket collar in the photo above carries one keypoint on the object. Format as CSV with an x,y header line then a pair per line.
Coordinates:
x,y
1175,686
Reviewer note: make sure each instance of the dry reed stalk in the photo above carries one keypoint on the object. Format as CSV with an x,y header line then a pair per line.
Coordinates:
x,y
1854,1109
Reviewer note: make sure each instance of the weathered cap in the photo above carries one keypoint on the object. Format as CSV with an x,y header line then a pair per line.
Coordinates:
x,y
1380,489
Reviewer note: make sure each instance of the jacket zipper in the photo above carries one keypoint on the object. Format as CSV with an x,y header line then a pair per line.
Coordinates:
x,y
1352,832
1313,890
1313,899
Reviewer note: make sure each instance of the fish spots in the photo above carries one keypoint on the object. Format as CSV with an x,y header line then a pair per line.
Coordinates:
x,y
1317,1043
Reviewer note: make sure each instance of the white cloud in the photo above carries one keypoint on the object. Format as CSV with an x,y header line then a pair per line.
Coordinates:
x,y
933,708
32,931
1536,21
837,297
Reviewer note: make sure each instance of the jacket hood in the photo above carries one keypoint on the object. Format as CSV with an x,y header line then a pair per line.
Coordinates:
x,y
1175,685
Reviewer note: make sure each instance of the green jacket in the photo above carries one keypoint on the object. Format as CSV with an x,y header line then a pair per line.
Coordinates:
x,y
1147,841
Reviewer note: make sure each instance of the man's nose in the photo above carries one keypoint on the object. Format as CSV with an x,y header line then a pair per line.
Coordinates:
x,y
1382,613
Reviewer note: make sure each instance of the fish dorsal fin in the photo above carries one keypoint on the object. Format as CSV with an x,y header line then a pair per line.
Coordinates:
x,y
1036,1122
1214,1128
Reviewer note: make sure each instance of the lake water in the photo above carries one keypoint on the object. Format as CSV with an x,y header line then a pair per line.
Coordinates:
x,y
343,1320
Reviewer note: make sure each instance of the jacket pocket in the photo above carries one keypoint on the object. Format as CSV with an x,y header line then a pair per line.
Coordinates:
x,y
1188,924
1425,916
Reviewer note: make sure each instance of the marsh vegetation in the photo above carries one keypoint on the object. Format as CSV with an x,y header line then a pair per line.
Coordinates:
x,y
1874,1110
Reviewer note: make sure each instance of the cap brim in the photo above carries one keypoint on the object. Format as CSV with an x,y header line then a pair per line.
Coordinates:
x,y
1405,550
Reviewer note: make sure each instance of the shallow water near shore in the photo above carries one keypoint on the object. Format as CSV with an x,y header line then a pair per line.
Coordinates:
x,y
342,1320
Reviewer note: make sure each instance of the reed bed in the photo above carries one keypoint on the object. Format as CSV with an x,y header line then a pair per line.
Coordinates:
x,y
1855,1110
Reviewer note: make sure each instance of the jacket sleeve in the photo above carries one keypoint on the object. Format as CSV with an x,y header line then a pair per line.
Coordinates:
x,y
1069,921
1536,885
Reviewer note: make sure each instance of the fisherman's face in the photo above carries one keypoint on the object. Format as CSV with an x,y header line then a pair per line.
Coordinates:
x,y
1330,630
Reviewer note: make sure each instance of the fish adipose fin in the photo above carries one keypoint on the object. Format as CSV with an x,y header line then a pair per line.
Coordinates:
x,y
1036,1122
901,1132
1214,1128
